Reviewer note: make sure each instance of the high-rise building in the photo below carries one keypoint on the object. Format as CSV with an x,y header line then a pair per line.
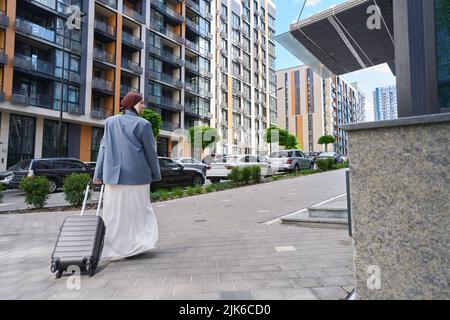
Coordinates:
x,y
196,62
385,103
310,107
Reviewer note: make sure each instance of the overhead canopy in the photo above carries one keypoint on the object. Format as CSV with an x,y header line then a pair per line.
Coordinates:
x,y
338,40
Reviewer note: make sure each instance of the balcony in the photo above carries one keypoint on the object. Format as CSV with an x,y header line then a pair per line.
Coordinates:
x,y
103,85
36,65
224,35
132,66
223,69
165,103
99,112
4,20
193,67
206,73
104,56
105,29
165,55
168,12
224,87
192,45
194,6
133,14
169,126
110,3
192,25
124,89
22,97
191,88
132,40
245,17
166,78
73,108
168,33
223,123
35,30
3,56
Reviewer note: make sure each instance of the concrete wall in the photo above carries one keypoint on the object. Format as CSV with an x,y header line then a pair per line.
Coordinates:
x,y
400,203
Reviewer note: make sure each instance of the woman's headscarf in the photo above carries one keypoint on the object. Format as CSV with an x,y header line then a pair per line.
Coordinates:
x,y
130,101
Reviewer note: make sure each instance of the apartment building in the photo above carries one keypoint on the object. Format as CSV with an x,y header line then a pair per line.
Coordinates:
x,y
310,107
246,76
385,103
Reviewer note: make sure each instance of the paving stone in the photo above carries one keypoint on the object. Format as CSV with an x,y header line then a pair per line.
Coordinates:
x,y
306,283
236,295
223,277
267,294
258,276
334,281
330,293
298,294
128,294
284,275
277,284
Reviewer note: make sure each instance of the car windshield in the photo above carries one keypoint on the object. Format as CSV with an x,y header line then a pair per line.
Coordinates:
x,y
22,165
327,154
281,154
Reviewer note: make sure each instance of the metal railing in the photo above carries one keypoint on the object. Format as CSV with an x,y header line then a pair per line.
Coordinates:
x,y
191,66
165,102
165,78
132,66
103,55
133,13
165,9
105,28
172,35
165,55
102,84
191,4
4,19
33,29
111,3
131,39
100,112
169,126
124,89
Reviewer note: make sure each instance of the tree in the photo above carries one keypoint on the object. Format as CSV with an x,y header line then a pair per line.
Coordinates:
x,y
326,140
291,142
154,118
286,139
207,135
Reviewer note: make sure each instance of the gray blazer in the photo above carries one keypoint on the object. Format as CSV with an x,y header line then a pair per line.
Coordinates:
x,y
127,153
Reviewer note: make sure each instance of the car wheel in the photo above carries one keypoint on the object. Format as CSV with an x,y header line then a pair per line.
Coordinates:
x,y
197,180
53,185
214,180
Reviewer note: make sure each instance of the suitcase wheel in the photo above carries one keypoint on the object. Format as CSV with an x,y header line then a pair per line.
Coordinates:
x,y
59,274
53,268
90,269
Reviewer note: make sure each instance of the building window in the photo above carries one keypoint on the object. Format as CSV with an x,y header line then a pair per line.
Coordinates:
x,y
50,139
22,131
96,139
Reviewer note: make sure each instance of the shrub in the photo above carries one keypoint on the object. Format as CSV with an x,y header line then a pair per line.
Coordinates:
x,y
155,196
342,165
37,190
209,188
309,171
246,174
218,186
164,195
75,187
2,188
235,174
325,164
256,174
190,191
177,192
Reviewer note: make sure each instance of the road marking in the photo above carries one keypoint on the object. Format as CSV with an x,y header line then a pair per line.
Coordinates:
x,y
160,205
278,220
285,249
226,200
263,211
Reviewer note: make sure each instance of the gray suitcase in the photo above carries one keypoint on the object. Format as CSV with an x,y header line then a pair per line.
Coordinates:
x,y
80,241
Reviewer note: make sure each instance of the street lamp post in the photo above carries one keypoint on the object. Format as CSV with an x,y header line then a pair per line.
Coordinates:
x,y
271,93
72,22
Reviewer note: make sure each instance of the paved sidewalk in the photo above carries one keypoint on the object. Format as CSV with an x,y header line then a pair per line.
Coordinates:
x,y
212,246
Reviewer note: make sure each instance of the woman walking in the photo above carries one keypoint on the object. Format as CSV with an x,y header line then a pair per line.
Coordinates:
x,y
127,164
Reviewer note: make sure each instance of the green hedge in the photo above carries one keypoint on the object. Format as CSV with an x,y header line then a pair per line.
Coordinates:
x,y
37,190
75,188
245,174
325,164
2,188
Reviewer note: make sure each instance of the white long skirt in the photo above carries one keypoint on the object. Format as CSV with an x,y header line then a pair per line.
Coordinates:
x,y
131,226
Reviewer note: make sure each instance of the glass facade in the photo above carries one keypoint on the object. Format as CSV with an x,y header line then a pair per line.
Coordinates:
x,y
22,131
97,135
443,51
51,139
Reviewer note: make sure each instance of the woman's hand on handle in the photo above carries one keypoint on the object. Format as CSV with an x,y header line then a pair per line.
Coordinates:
x,y
98,181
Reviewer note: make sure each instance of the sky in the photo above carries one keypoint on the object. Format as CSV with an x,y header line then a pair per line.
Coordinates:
x,y
369,79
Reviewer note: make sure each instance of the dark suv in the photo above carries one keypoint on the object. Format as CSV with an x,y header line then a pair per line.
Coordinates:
x,y
55,169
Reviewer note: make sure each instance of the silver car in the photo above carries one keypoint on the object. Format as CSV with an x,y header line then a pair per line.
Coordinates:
x,y
290,160
192,163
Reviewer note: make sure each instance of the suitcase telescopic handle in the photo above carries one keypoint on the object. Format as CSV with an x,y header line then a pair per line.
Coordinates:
x,y
86,197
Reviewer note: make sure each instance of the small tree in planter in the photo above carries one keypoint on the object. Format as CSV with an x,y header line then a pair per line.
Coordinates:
x,y
37,190
75,187
201,137
326,140
155,119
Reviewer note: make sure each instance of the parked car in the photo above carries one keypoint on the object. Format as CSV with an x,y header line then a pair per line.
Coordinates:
x,y
6,176
290,160
222,166
335,156
314,155
192,163
174,174
91,165
55,169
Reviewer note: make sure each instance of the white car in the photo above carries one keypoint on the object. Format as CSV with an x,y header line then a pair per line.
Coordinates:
x,y
221,168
